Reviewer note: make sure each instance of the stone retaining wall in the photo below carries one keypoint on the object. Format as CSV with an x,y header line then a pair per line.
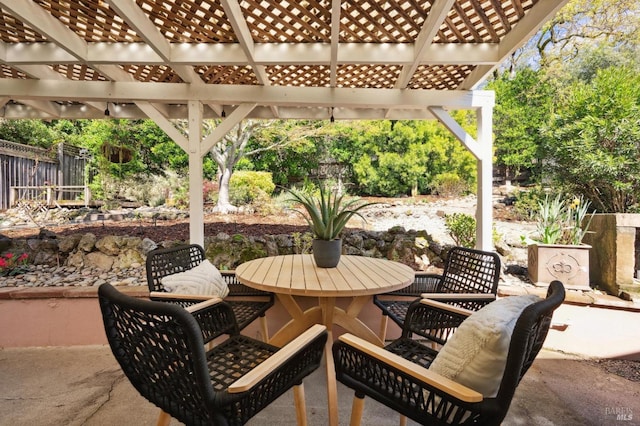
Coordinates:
x,y
110,258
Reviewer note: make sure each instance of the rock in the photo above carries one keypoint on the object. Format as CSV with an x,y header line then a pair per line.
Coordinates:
x,y
148,245
46,234
76,259
5,243
98,260
127,257
110,245
67,244
87,242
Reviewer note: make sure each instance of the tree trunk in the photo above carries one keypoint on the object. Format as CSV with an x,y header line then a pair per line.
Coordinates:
x,y
224,206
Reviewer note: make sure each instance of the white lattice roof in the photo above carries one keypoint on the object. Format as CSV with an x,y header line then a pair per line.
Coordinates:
x,y
293,59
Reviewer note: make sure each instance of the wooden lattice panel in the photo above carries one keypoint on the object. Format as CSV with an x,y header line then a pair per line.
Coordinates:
x,y
288,21
227,75
379,21
439,77
202,21
8,72
153,73
368,76
482,21
79,72
299,76
13,30
92,20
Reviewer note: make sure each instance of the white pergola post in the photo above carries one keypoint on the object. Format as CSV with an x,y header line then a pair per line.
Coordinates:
x,y
484,211
196,204
482,149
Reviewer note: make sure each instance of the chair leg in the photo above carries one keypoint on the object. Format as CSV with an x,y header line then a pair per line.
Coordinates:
x,y
300,404
383,327
264,328
403,420
163,419
357,408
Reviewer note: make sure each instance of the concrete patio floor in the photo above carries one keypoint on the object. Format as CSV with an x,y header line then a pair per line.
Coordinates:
x,y
83,385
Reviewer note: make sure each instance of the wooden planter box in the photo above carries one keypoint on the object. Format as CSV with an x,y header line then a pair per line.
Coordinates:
x,y
566,263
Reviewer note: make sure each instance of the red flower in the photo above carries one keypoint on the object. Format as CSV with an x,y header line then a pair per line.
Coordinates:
x,y
3,263
23,257
8,256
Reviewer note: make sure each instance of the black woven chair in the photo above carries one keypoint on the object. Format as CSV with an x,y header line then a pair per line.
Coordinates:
x,y
248,304
425,396
470,280
160,347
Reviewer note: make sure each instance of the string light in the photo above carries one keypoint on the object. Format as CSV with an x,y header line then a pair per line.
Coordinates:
x,y
106,111
332,119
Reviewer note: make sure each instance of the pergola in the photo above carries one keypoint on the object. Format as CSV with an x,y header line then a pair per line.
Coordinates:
x,y
263,59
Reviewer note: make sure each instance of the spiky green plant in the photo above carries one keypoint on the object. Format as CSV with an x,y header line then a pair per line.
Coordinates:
x,y
328,213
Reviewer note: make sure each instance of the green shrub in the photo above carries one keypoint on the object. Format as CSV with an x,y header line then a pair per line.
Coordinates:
x,y
527,201
246,186
462,228
449,184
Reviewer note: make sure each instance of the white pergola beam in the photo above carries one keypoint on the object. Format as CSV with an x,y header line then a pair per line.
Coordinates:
x,y
265,54
437,15
95,110
227,124
47,107
335,40
234,95
134,16
456,129
43,22
167,126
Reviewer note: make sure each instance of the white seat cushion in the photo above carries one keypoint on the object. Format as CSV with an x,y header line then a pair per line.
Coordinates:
x,y
204,279
476,355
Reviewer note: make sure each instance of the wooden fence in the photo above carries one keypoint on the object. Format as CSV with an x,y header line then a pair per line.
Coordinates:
x,y
32,174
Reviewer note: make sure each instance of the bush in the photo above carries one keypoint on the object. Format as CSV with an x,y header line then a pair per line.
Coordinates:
x,y
526,204
247,186
449,184
462,228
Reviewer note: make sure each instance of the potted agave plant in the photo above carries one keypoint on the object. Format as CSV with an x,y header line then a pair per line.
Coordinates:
x,y
327,214
557,251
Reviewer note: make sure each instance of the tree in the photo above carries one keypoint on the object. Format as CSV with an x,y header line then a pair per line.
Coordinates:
x,y
594,140
581,25
235,145
524,102
28,132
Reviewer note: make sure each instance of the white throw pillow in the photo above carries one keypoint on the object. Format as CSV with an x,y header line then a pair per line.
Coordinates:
x,y
204,279
476,355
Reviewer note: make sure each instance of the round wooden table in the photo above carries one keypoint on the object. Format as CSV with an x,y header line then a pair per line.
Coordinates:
x,y
355,277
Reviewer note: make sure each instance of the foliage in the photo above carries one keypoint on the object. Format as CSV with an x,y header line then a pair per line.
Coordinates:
x,y
247,186
449,184
302,242
584,23
592,146
328,213
28,132
11,265
561,221
294,157
523,106
461,228
392,158
526,202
